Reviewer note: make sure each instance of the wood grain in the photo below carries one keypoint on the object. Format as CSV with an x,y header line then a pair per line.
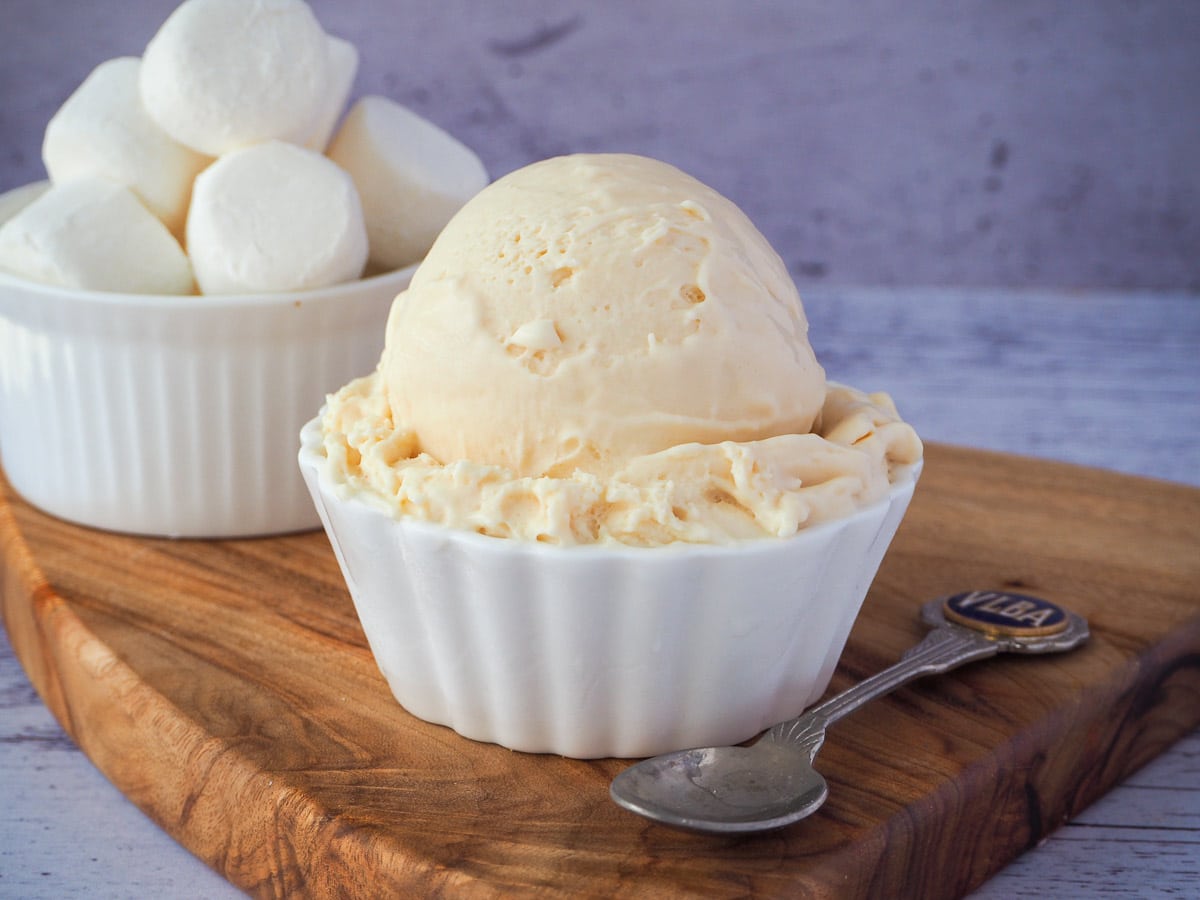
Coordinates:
x,y
1140,839
227,689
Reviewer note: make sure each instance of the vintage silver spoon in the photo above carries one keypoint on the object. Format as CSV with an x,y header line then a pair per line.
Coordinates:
x,y
771,783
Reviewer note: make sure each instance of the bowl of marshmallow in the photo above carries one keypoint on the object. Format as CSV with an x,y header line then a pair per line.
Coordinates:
x,y
217,245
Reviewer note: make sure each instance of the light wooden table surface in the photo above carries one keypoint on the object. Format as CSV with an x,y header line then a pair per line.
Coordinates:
x,y
1110,380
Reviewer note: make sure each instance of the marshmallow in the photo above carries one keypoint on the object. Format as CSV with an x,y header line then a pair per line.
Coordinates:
x,y
103,129
225,74
274,217
12,202
411,175
343,66
93,233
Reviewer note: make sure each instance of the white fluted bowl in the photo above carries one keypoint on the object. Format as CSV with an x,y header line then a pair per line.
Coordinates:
x,y
175,416
602,651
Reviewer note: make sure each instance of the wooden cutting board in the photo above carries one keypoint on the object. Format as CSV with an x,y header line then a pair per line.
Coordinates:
x,y
227,689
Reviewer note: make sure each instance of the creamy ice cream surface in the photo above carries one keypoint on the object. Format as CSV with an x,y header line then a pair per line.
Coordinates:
x,y
599,349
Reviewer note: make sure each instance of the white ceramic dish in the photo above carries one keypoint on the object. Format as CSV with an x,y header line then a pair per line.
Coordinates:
x,y
602,651
175,416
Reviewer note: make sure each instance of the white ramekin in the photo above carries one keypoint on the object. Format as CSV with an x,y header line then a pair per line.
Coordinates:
x,y
175,416
602,651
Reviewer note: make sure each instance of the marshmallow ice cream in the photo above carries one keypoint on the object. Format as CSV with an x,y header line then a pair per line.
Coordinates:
x,y
597,498
601,349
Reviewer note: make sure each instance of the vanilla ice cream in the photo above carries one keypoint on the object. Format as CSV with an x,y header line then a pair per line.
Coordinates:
x,y
599,348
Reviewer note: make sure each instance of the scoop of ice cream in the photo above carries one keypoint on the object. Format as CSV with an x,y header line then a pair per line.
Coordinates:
x,y
600,349
588,310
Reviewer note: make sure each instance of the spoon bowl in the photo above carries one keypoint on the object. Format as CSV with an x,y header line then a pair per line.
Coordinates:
x,y
757,788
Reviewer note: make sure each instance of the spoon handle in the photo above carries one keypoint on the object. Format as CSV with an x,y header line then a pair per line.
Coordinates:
x,y
966,627
943,649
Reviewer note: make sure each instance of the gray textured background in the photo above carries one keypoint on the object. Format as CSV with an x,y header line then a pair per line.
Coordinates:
x,y
1033,142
